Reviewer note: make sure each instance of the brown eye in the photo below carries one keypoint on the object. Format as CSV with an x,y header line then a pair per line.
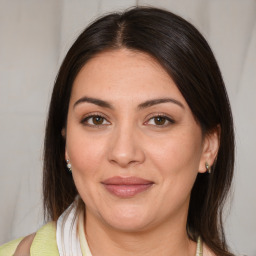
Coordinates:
x,y
159,120
97,120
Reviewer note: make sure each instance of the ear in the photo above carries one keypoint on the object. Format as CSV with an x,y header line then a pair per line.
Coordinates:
x,y
211,145
66,155
63,133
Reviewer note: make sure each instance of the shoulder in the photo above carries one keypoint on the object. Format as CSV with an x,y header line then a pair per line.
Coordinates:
x,y
10,247
44,242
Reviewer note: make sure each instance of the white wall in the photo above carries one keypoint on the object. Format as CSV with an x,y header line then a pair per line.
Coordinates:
x,y
34,37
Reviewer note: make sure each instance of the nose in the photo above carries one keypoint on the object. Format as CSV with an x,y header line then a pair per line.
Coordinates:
x,y
126,147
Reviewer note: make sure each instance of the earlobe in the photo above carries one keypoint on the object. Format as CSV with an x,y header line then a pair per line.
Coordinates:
x,y
210,150
66,155
208,167
69,166
63,133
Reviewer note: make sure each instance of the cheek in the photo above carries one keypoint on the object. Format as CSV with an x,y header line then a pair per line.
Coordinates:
x,y
85,153
177,162
178,154
177,159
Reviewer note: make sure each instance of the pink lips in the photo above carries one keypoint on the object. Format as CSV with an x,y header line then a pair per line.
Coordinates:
x,y
126,187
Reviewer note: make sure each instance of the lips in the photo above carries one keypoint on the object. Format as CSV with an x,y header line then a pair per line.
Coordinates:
x,y
126,187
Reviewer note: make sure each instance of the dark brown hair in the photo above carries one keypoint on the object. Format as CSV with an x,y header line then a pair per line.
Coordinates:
x,y
186,56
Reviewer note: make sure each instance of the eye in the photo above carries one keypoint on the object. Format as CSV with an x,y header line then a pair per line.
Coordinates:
x,y
160,120
95,120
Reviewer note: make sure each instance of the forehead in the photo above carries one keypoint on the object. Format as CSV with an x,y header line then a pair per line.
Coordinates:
x,y
123,74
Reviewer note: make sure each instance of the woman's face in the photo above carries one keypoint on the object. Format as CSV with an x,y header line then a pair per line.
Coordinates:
x,y
134,145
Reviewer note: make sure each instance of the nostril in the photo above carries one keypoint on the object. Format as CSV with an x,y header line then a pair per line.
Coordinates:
x,y
124,149
126,158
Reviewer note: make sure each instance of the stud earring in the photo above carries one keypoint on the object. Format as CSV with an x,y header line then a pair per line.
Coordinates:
x,y
69,165
208,167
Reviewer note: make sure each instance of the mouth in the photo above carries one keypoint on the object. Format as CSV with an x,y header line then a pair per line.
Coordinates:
x,y
126,187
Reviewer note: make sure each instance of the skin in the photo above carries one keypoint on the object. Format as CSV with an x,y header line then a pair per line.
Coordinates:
x,y
131,142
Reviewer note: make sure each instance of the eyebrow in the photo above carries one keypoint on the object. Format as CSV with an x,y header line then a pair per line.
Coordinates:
x,y
150,103
95,101
146,104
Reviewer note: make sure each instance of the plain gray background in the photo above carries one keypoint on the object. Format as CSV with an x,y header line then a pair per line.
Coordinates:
x,y
34,37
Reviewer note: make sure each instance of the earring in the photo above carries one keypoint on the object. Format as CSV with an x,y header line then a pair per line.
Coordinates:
x,y
208,167
69,165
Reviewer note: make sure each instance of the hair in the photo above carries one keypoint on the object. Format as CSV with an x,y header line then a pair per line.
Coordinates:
x,y
186,56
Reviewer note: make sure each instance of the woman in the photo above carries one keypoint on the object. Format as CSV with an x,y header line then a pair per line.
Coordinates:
x,y
139,145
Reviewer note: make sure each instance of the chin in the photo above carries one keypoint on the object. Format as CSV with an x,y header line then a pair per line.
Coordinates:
x,y
128,220
129,226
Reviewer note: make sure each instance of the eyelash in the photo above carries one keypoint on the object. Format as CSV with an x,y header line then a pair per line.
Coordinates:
x,y
84,121
168,119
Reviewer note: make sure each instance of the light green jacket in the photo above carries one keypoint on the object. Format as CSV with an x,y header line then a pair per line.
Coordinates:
x,y
43,244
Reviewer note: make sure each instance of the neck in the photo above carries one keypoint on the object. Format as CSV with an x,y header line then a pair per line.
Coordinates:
x,y
170,238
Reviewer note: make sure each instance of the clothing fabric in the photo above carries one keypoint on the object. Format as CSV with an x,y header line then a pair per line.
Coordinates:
x,y
70,234
43,244
66,235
